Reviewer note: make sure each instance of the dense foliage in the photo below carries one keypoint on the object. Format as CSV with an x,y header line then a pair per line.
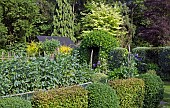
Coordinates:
x,y
14,102
69,97
63,20
153,90
49,46
103,17
116,57
23,74
153,58
102,96
130,92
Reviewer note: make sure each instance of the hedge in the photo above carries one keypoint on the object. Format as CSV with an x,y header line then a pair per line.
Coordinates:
x,y
154,58
153,90
148,55
14,102
130,92
102,96
68,97
116,57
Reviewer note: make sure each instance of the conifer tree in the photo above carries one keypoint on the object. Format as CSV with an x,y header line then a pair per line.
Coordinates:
x,y
63,20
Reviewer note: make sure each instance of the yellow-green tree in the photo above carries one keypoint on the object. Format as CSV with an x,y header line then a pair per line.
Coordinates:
x,y
102,16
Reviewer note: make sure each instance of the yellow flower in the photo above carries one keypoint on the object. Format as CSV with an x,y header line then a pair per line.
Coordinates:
x,y
32,48
65,49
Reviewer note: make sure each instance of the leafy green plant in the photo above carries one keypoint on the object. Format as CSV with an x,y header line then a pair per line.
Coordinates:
x,y
126,70
68,97
49,46
27,74
153,90
32,49
116,57
130,92
99,77
102,96
14,102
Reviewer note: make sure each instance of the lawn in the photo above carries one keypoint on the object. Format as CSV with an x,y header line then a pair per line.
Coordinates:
x,y
166,100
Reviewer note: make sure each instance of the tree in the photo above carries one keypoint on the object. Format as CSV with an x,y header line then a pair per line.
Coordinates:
x,y
157,32
102,16
63,20
18,20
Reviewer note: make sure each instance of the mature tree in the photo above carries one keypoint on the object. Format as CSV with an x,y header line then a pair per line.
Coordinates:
x,y
157,32
101,16
63,20
18,17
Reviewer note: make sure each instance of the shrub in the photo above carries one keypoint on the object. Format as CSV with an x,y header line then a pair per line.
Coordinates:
x,y
148,55
99,38
102,96
153,90
116,57
101,42
14,102
32,49
50,46
164,62
65,49
99,77
129,91
69,97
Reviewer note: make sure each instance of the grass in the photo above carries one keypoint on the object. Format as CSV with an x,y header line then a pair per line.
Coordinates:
x,y
166,95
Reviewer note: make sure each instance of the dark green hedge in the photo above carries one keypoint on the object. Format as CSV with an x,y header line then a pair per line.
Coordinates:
x,y
102,96
116,57
14,102
153,90
69,97
154,58
148,55
129,91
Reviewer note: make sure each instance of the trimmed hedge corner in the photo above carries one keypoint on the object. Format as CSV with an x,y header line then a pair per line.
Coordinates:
x,y
153,90
102,96
68,97
116,57
129,91
14,102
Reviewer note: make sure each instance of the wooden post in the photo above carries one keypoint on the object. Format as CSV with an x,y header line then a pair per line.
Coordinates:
x,y
91,59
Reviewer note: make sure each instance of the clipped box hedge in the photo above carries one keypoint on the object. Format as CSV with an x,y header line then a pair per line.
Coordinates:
x,y
116,57
153,90
130,92
68,97
14,102
102,96
157,58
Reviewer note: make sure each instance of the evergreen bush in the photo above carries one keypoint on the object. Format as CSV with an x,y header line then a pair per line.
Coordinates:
x,y
153,90
130,92
101,96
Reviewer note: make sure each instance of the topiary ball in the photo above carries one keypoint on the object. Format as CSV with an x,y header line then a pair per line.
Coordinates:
x,y
153,90
102,96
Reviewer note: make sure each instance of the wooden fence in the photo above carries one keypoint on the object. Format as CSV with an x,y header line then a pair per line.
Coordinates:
x,y
12,55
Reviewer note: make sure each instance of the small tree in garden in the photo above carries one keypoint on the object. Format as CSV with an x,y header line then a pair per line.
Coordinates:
x,y
102,16
63,20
